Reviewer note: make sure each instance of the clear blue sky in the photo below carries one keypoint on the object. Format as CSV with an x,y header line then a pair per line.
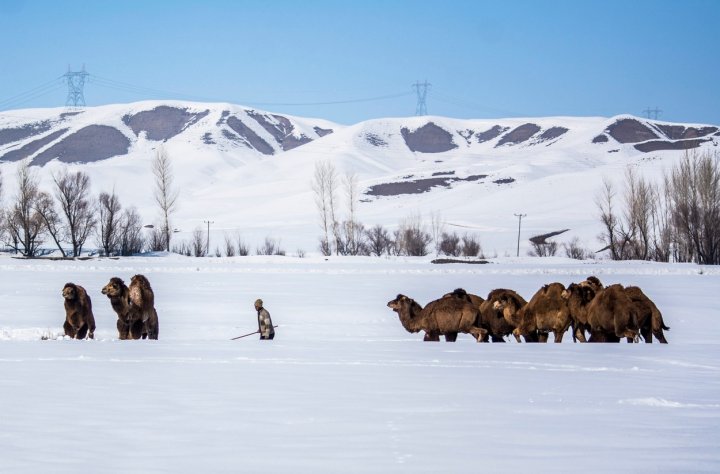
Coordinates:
x,y
484,59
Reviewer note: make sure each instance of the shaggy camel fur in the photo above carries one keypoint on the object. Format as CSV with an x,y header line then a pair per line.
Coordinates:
x,y
650,319
612,315
499,314
143,298
79,319
546,312
446,316
578,297
129,323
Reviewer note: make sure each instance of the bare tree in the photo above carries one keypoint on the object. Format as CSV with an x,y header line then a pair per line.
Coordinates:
x,y
242,248
24,223
324,187
109,223
165,193
230,249
411,238
131,238
379,241
605,202
351,228
270,247
449,244
73,194
199,243
45,207
437,228
695,192
471,246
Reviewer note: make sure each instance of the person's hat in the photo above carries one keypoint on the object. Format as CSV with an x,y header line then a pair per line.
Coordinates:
x,y
258,302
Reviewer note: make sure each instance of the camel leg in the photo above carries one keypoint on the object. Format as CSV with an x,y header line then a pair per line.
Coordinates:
x,y
432,336
451,337
497,338
558,335
123,329
580,334
542,337
69,330
479,334
82,332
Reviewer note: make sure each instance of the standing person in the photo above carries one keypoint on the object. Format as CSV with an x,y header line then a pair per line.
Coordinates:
x,y
265,325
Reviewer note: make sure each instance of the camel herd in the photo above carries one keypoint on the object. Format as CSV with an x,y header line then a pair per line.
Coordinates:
x,y
134,306
594,313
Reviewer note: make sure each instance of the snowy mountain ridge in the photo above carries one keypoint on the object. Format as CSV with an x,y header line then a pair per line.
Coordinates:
x,y
249,171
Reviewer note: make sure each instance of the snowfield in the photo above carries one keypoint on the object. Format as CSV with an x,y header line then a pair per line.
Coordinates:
x,y
343,387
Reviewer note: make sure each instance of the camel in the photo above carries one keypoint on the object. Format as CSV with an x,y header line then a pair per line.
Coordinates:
x,y
445,316
499,314
650,319
612,315
546,312
476,301
143,298
578,297
130,324
79,319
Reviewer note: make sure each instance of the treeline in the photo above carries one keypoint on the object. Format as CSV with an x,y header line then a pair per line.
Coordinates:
x,y
348,236
677,220
68,215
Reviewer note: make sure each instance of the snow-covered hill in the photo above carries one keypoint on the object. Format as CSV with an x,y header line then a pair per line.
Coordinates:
x,y
249,172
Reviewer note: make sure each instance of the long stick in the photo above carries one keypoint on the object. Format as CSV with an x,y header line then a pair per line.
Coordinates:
x,y
248,334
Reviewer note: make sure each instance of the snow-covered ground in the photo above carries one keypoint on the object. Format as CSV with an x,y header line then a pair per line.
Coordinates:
x,y
343,387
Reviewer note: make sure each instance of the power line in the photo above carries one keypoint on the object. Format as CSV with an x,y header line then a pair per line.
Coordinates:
x,y
32,94
127,87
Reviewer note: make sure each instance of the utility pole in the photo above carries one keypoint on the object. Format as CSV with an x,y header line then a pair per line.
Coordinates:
x,y
519,216
76,82
207,248
421,90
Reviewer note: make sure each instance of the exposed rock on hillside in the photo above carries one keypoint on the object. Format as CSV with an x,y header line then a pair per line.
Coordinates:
x,y
518,135
630,131
162,122
429,138
92,143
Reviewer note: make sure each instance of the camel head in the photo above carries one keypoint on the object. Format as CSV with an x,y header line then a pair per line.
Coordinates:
x,y
405,305
578,291
114,288
399,302
70,291
593,283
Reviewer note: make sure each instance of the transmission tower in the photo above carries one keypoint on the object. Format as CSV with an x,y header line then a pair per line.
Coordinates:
x,y
421,89
655,112
76,83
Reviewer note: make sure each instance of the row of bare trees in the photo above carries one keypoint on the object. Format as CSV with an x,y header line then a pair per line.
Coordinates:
x,y
677,220
69,215
349,236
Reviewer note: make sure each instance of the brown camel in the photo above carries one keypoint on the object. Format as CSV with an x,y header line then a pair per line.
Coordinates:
x,y
143,298
499,314
612,315
650,319
578,297
546,312
79,319
446,316
129,322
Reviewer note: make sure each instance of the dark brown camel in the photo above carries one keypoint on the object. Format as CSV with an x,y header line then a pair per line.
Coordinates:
x,y
546,312
79,319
